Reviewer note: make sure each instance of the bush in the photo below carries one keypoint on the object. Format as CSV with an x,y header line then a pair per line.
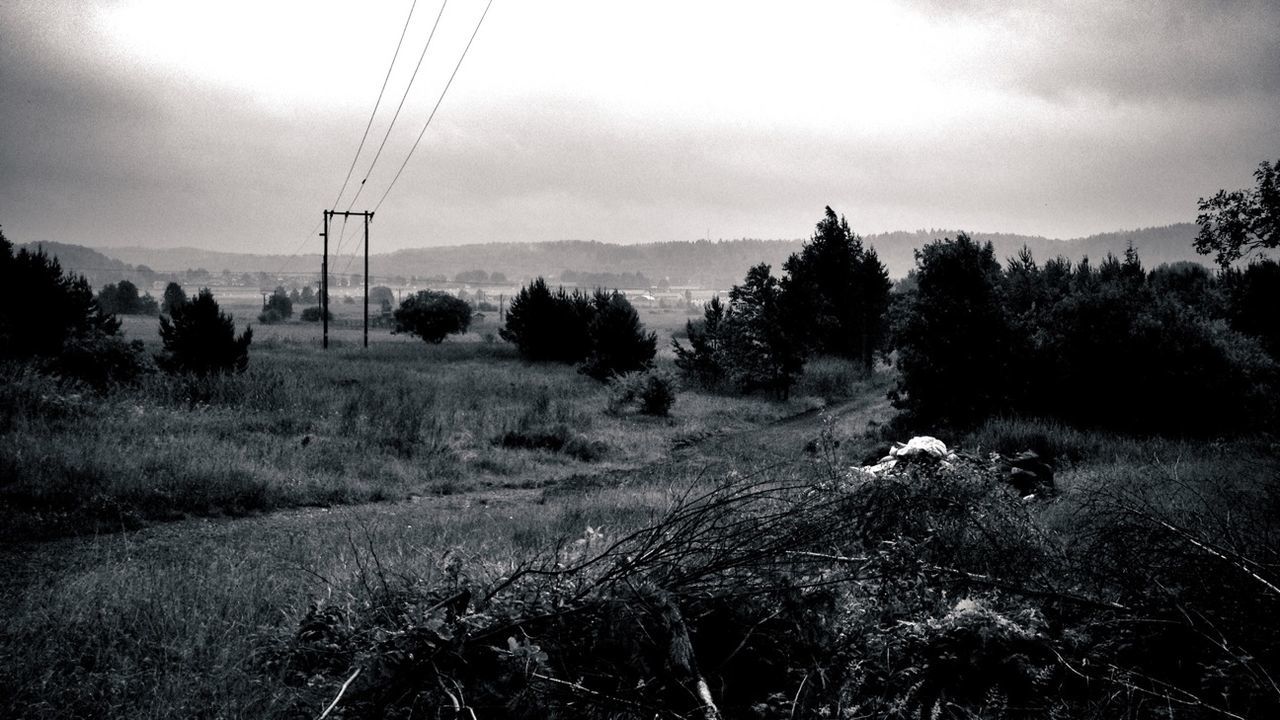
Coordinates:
x,y
312,314
103,361
432,316
650,393
201,339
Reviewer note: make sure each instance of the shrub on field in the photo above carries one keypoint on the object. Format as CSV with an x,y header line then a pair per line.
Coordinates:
x,y
649,393
432,315
103,361
201,339
312,314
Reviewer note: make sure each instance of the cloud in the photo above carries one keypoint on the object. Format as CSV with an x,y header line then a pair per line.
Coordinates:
x,y
1165,50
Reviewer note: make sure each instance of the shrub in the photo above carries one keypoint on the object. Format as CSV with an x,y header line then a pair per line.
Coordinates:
x,y
650,393
432,316
312,314
199,338
103,361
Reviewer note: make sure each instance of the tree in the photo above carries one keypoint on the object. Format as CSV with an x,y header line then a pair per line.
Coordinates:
x,y
760,344
619,343
123,299
1237,223
41,309
277,308
201,339
954,342
547,326
704,359
432,315
173,297
1253,300
837,291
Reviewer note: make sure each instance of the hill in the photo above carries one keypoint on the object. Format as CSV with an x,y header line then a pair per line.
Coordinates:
x,y
98,268
700,263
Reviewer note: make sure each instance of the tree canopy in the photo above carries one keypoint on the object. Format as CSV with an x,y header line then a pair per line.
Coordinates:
x,y
432,315
1234,224
199,338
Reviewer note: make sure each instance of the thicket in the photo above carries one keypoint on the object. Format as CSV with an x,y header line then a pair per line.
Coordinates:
x,y
1172,350
600,332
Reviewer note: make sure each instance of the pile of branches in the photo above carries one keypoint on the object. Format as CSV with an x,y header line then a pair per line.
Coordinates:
x,y
932,591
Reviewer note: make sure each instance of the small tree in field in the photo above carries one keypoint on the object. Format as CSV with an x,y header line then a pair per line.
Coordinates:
x,y
174,297
549,326
199,338
123,299
619,343
432,315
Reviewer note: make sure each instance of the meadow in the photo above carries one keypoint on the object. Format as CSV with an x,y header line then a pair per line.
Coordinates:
x,y
169,545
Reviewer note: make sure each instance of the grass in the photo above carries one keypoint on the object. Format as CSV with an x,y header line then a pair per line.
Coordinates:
x,y
309,427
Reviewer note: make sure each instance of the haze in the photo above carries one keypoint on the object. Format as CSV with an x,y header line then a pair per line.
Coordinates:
x,y
231,125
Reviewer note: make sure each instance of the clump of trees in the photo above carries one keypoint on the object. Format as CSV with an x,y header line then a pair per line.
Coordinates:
x,y
278,307
834,299
201,339
432,315
600,332
52,320
1171,350
123,298
748,344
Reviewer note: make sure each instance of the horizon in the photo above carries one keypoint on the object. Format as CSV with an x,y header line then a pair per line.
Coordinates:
x,y
149,124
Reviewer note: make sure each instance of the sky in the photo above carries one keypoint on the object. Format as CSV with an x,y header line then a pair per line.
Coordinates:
x,y
231,125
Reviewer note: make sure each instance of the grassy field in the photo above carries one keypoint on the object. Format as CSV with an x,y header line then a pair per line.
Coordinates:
x,y
305,426
190,618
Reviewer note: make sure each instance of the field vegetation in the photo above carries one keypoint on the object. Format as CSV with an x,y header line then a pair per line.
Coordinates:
x,y
715,534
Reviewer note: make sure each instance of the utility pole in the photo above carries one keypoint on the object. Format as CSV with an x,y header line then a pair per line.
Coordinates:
x,y
324,271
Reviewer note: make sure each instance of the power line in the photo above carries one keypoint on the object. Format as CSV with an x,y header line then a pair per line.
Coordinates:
x,y
403,97
437,106
376,104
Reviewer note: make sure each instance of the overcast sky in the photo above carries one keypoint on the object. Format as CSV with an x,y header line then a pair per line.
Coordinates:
x,y
231,124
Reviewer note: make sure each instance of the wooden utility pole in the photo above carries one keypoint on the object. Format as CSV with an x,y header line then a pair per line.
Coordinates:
x,y
324,271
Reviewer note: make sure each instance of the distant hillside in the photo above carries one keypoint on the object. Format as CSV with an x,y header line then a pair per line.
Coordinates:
x,y
99,269
701,263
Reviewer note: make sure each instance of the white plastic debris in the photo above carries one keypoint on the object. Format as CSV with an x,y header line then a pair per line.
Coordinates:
x,y
921,444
